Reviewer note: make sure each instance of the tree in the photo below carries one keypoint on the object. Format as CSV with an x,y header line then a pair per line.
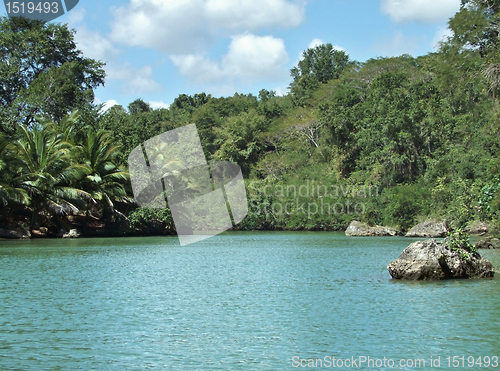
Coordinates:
x,y
106,177
323,63
138,106
238,139
189,103
265,95
476,27
9,191
42,72
318,66
46,172
131,130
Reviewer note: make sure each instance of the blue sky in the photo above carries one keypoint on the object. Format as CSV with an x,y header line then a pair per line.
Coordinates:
x,y
158,49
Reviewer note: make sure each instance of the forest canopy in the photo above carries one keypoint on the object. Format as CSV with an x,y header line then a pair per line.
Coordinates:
x,y
423,132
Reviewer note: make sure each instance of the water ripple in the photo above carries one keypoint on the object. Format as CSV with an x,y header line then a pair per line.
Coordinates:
x,y
238,301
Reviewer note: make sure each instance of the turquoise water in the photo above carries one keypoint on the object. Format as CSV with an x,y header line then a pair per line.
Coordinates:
x,y
237,301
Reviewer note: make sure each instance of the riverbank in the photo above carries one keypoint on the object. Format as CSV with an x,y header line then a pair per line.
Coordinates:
x,y
85,227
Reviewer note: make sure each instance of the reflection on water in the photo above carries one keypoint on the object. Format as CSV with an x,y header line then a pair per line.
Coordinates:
x,y
238,301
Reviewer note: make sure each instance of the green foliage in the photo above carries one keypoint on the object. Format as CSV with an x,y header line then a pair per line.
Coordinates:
x,y
105,175
10,191
464,255
323,63
131,130
42,72
489,200
464,205
150,221
44,168
186,102
459,240
138,106
265,95
47,172
403,204
424,131
272,107
317,66
237,139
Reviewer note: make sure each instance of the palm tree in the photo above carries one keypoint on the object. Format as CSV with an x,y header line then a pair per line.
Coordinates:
x,y
106,176
45,170
9,190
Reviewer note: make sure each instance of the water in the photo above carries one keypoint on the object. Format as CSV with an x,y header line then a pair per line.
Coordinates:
x,y
237,301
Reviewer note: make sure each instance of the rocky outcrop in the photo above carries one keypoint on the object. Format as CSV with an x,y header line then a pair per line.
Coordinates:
x,y
429,228
362,229
478,228
20,234
434,260
488,243
73,233
41,232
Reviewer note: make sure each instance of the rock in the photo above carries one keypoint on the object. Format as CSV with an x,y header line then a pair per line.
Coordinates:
x,y
20,234
362,229
429,228
73,233
434,260
477,228
488,243
42,232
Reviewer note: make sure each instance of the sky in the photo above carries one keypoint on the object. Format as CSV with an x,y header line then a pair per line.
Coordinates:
x,y
158,49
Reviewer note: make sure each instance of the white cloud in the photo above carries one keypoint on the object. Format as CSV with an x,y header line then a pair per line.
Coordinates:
x,y
315,42
249,15
76,15
91,43
135,80
185,27
108,104
94,45
441,35
158,104
253,56
249,58
397,45
282,91
426,11
197,67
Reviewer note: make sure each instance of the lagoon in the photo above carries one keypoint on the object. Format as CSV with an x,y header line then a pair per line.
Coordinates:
x,y
237,301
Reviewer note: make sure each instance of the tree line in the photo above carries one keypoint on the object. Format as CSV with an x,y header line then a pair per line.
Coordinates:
x,y
424,132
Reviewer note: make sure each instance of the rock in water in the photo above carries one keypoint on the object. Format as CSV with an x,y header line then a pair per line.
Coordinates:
x,y
488,243
21,234
428,228
362,229
73,233
434,260
479,228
